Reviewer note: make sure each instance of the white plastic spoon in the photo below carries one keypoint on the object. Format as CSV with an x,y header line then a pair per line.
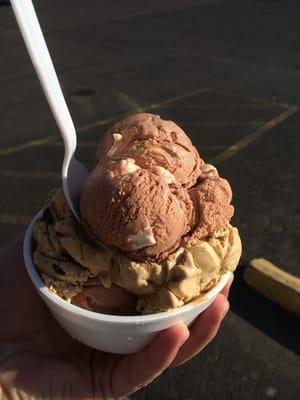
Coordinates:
x,y
74,173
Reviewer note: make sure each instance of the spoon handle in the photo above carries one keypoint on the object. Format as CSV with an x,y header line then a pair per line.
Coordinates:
x,y
41,59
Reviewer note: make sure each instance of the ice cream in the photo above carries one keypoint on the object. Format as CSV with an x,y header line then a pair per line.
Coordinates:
x,y
113,300
137,212
150,191
156,145
155,231
103,279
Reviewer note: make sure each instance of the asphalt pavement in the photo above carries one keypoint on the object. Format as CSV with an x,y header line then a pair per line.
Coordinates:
x,y
228,72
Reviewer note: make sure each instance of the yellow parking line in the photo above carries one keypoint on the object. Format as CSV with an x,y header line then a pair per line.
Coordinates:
x,y
137,108
129,101
59,143
223,106
14,219
274,283
88,144
26,145
245,141
28,174
220,124
101,122
272,102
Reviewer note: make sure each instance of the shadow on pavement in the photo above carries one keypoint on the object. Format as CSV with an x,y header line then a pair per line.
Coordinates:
x,y
265,315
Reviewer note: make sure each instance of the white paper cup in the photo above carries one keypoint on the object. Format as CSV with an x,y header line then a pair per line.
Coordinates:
x,y
112,333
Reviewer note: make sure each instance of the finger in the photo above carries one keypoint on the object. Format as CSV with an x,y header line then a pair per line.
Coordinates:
x,y
137,370
227,287
203,330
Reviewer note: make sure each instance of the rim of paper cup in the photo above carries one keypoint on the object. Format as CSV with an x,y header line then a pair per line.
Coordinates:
x,y
71,308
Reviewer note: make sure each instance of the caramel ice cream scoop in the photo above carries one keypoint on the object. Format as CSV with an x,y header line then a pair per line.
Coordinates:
x,y
106,280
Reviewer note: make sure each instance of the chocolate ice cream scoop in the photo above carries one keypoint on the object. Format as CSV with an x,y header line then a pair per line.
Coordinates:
x,y
135,210
150,192
211,199
156,145
114,300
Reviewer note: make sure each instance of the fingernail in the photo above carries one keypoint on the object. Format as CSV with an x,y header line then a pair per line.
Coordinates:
x,y
230,280
226,306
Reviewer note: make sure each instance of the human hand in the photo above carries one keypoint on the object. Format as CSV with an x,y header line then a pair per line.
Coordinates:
x,y
39,360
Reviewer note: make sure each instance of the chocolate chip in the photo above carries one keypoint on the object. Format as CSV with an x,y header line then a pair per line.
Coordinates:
x,y
58,270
